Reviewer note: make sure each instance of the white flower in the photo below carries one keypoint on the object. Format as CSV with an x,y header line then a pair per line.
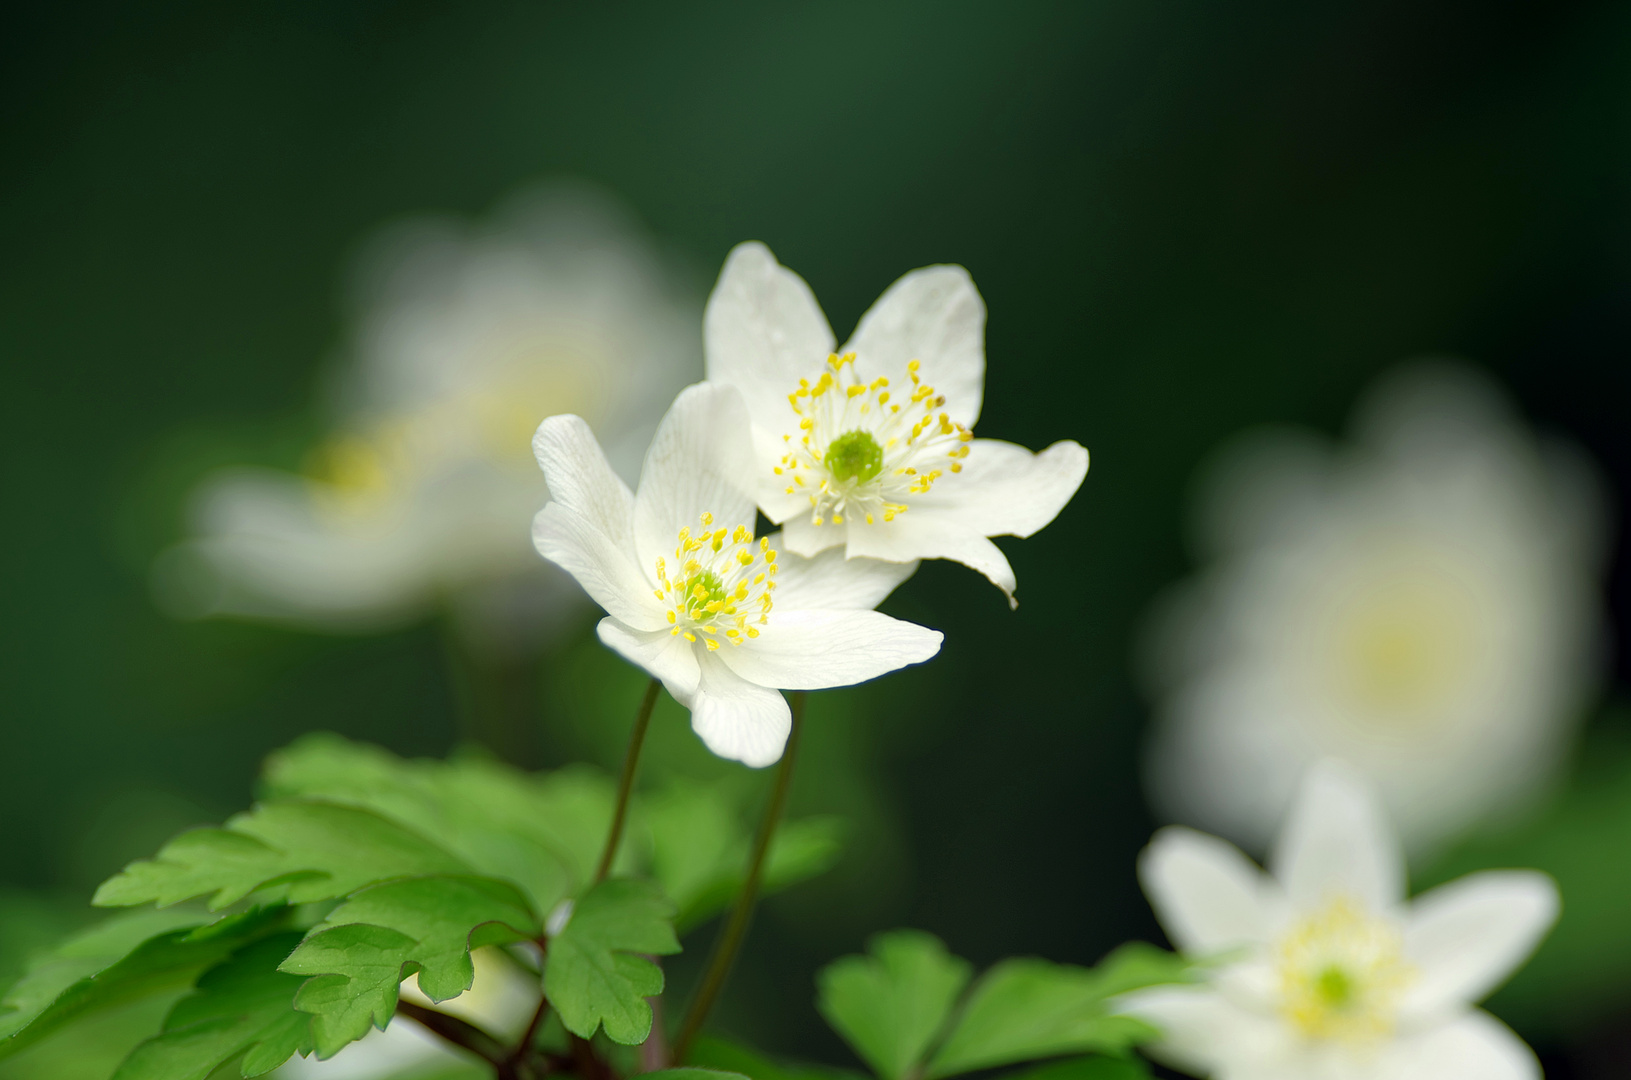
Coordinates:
x,y
1423,605
722,618
464,336
1324,971
872,448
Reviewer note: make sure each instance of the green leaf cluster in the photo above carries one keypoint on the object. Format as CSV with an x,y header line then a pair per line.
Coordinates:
x,y
912,1011
544,831
291,928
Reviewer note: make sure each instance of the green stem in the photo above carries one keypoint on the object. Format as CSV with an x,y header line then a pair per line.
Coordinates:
x,y
460,1033
625,787
730,938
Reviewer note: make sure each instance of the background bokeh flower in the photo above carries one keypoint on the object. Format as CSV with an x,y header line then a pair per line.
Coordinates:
x,y
1421,601
464,336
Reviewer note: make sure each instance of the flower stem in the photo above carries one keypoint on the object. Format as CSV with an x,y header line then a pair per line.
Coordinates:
x,y
631,761
460,1033
730,938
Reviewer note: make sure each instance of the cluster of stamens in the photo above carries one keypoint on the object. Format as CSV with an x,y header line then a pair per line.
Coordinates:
x,y
1341,973
722,587
859,451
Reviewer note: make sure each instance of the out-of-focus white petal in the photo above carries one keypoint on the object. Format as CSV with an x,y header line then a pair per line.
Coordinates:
x,y
737,719
933,315
831,581
581,479
701,460
1337,842
814,650
1208,896
665,655
1005,490
1464,938
930,534
1203,1033
573,543
1475,1046
763,331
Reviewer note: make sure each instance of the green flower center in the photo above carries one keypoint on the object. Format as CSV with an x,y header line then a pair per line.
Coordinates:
x,y
854,455
1335,987
701,589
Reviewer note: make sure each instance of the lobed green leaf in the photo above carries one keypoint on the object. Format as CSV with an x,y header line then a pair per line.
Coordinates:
x,y
127,957
542,832
359,956
307,850
242,1007
1026,1009
710,1052
699,848
591,975
891,1005
1087,1068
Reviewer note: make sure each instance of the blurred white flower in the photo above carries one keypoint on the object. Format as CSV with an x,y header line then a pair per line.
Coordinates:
x,y
856,448
691,596
1423,604
1324,971
500,1001
464,337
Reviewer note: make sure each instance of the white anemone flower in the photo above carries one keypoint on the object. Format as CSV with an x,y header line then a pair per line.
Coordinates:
x,y
420,498
1323,971
722,618
1424,604
871,448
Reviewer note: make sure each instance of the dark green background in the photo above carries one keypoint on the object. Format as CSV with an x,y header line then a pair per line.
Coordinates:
x,y
1184,217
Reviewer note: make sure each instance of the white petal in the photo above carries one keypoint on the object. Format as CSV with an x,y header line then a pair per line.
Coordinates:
x,y
661,653
1005,490
809,540
1464,938
814,650
1208,896
701,460
833,582
579,478
604,570
763,331
737,719
1202,1032
1475,1046
931,535
1337,841
933,315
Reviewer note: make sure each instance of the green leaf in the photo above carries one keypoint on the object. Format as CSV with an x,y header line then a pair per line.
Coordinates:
x,y
1026,1009
710,1052
369,944
590,975
700,842
890,1006
693,1073
541,831
311,850
244,1006
1087,1068
126,957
